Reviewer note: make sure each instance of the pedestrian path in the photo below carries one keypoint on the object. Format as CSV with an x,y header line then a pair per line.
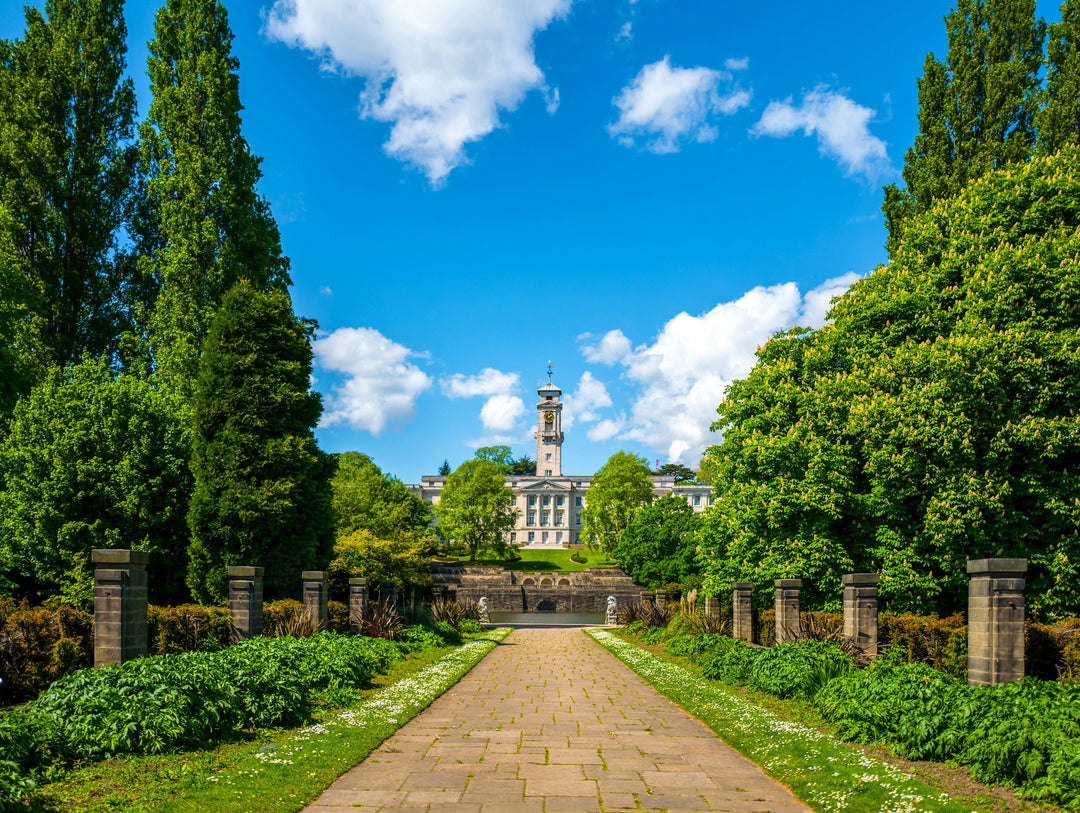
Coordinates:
x,y
549,722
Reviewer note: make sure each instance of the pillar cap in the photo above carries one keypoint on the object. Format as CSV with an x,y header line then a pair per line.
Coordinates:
x,y
997,567
861,578
358,581
742,585
245,572
787,583
105,556
314,575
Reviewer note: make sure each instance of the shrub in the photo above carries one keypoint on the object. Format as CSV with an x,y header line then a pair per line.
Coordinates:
x,y
940,642
39,645
186,628
417,637
339,616
449,634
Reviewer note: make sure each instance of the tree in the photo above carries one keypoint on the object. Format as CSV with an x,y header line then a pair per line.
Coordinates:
x,y
1059,120
402,557
682,474
262,492
524,466
475,509
13,309
444,469
205,227
659,545
976,111
94,460
366,499
499,455
618,490
67,161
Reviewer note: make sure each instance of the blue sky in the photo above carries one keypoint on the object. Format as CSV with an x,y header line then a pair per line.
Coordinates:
x,y
640,192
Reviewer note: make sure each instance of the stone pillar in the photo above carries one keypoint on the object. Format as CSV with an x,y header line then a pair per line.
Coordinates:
x,y
358,598
648,598
315,597
119,605
245,602
788,624
388,594
861,611
995,621
742,611
661,599
712,607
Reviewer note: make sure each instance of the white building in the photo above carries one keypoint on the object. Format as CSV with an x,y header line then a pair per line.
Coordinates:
x,y
549,503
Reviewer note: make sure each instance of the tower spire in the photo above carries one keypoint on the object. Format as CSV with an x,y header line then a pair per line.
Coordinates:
x,y
549,371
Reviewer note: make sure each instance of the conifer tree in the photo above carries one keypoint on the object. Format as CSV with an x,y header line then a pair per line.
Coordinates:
x,y
67,161
976,110
205,226
262,487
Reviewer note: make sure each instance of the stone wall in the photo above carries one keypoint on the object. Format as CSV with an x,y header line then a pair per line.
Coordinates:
x,y
519,591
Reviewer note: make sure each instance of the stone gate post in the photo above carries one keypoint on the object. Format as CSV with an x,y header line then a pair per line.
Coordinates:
x,y
245,602
119,605
742,617
995,621
661,599
861,611
788,624
648,598
358,599
315,597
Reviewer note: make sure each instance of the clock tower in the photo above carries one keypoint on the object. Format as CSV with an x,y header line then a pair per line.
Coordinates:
x,y
549,435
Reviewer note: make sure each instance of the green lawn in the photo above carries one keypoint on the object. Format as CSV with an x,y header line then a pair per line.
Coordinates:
x,y
549,561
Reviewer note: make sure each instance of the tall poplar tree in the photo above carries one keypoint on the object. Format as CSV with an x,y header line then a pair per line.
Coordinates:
x,y
1059,119
976,110
206,226
67,161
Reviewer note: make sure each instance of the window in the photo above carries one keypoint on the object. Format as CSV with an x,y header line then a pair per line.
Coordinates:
x,y
558,537
544,540
513,500
546,501
712,499
532,518
579,518
547,472
558,518
532,536
547,457
559,501
577,502
532,501
697,499
544,517
513,537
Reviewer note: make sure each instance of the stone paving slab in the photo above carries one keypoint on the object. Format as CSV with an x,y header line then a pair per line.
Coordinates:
x,y
549,722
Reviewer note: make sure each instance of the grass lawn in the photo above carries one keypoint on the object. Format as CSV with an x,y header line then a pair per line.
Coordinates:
x,y
550,561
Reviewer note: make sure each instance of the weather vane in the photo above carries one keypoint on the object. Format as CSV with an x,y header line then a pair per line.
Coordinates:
x,y
549,371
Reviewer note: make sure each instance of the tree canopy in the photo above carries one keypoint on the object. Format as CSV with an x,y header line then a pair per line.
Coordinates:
x,y
475,508
365,498
659,546
620,487
682,474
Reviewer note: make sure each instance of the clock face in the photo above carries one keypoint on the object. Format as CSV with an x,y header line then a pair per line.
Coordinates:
x,y
549,417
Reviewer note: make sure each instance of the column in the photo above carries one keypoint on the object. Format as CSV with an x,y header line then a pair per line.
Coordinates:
x,y
712,607
647,598
661,599
788,625
861,611
358,599
315,597
245,602
119,605
995,621
742,611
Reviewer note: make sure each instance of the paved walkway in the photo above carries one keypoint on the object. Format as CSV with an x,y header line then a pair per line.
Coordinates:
x,y
550,721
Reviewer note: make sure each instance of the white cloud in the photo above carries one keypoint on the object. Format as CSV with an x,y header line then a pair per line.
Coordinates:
x,y
667,106
591,395
489,382
625,33
326,290
381,386
740,64
611,348
682,375
441,72
500,413
842,128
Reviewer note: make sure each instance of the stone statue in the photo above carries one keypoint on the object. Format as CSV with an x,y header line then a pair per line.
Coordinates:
x,y
483,607
611,603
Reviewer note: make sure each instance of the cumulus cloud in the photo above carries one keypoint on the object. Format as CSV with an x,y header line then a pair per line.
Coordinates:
x,y
584,402
740,64
842,128
500,413
502,409
611,348
682,375
666,106
441,72
380,386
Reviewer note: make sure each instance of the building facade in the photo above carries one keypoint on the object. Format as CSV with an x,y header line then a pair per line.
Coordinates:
x,y
549,504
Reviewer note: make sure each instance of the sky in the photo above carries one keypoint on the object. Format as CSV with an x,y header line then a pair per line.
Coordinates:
x,y
639,192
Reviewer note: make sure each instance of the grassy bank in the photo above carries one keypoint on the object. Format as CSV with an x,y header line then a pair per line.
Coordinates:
x,y
545,561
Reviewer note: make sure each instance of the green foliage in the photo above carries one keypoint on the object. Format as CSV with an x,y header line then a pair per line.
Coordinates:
x,y
262,493
618,490
1059,119
402,558
444,469
94,460
204,226
682,474
934,420
186,628
365,498
501,456
976,110
786,670
523,466
67,162
39,645
475,510
659,545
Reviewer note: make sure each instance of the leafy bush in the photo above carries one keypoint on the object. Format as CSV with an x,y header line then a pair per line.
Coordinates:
x,y
449,634
39,645
940,642
417,637
186,628
470,627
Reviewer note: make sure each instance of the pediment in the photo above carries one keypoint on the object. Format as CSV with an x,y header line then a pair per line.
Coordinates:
x,y
545,485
